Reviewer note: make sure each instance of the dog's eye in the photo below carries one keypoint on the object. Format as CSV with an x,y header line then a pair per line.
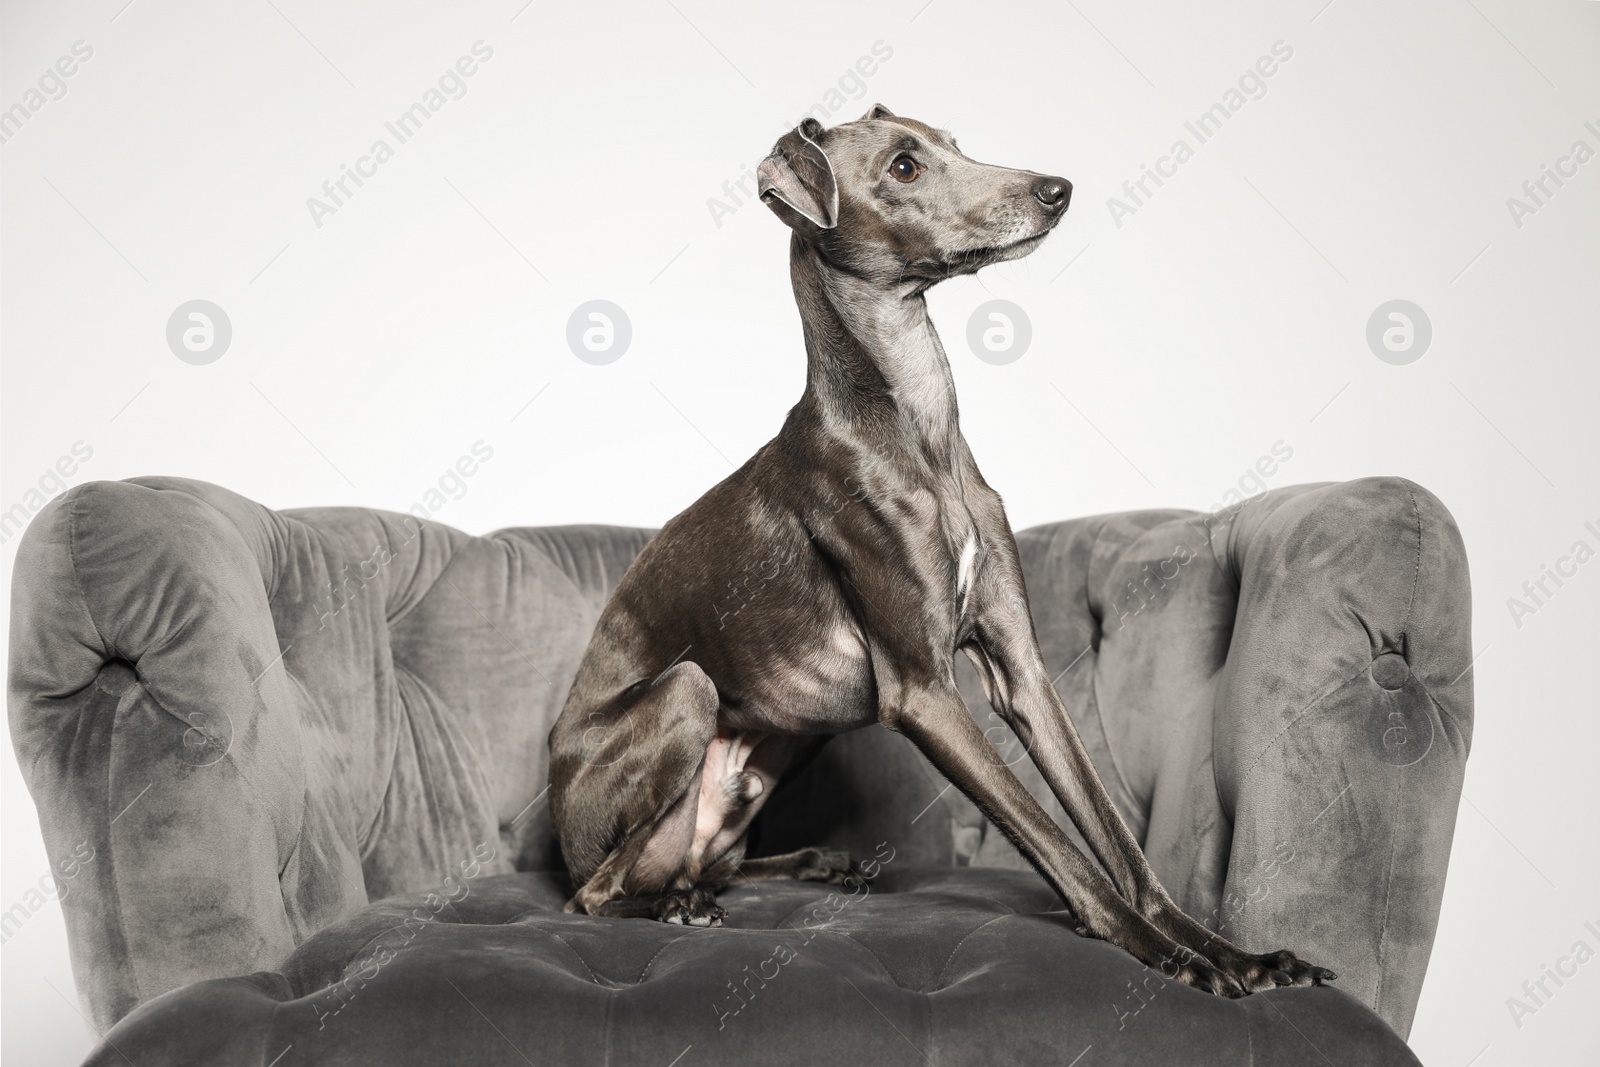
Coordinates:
x,y
905,169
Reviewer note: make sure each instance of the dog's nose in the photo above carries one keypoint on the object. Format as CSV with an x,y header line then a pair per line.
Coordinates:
x,y
1053,193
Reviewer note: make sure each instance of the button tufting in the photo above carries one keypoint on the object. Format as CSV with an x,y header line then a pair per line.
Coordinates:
x,y
1390,670
938,952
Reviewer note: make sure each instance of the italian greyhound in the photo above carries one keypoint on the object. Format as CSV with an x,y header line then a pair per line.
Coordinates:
x,y
829,582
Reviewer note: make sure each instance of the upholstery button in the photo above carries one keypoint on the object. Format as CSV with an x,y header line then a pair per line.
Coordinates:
x,y
1390,670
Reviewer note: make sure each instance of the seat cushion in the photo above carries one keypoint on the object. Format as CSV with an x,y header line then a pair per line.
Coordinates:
x,y
918,965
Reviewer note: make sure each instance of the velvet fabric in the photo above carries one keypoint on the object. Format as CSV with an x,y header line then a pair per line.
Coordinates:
x,y
259,722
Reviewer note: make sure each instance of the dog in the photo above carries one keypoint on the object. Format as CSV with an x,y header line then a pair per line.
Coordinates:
x,y
873,551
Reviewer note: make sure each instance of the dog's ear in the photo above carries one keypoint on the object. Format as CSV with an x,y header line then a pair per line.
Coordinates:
x,y
878,112
798,176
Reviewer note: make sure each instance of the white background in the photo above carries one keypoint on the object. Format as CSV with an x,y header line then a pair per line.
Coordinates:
x,y
1226,314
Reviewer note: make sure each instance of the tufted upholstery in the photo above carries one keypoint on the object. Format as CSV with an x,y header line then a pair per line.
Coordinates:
x,y
259,721
919,966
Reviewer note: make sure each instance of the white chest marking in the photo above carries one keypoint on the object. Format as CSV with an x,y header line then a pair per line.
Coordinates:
x,y
969,555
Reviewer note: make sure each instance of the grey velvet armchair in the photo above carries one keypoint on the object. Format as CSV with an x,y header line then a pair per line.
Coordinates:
x,y
306,750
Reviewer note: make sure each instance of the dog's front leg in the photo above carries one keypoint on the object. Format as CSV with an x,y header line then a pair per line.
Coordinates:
x,y
938,722
1006,651
904,592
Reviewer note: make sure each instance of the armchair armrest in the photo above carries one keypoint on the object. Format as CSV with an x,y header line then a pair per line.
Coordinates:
x,y
237,723
159,743
1277,697
1344,719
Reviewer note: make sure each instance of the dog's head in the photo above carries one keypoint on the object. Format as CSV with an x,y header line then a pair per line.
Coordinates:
x,y
890,198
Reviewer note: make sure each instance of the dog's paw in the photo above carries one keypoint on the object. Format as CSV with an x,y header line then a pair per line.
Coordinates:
x,y
692,907
832,866
1282,968
1270,970
1202,974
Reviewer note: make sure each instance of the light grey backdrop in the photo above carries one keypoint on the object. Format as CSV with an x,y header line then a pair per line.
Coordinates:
x,y
595,152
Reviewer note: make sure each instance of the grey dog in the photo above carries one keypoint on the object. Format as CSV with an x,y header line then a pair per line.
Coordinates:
x,y
878,552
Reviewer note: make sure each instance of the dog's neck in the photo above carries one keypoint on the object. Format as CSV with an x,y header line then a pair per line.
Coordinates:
x,y
873,356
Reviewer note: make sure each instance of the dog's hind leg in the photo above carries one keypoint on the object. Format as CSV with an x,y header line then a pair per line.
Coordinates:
x,y
806,865
625,787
